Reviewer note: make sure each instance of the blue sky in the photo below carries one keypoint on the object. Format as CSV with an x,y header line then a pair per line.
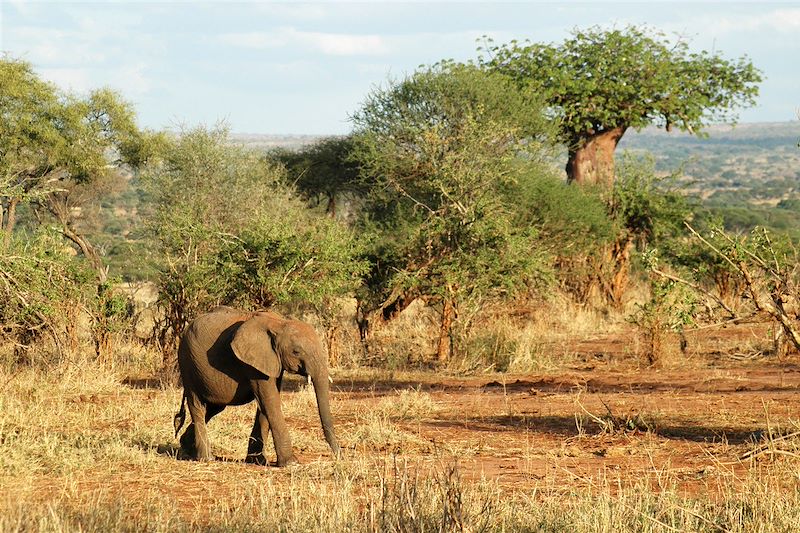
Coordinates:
x,y
305,67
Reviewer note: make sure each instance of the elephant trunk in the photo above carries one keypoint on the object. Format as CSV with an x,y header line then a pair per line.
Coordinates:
x,y
319,377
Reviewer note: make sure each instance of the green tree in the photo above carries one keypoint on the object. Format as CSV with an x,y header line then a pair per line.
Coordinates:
x,y
445,149
59,151
600,83
324,173
229,231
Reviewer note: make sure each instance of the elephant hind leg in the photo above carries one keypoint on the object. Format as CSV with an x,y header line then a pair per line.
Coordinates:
x,y
195,438
187,439
255,446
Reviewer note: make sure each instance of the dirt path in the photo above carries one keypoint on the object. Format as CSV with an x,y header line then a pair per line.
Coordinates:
x,y
540,430
602,424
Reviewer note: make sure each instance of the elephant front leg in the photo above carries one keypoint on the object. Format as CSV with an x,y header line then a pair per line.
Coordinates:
x,y
255,447
269,401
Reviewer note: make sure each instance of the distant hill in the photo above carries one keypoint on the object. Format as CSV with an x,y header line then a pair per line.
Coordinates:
x,y
266,142
755,163
749,163
745,176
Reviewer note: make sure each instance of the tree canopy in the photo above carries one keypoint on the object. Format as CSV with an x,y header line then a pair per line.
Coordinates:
x,y
324,172
228,230
445,148
56,148
599,83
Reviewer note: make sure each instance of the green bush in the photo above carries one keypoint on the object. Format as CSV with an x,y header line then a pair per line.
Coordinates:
x,y
646,205
43,287
228,230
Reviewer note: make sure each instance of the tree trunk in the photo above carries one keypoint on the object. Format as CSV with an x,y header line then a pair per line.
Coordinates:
x,y
443,349
89,251
331,209
331,336
591,159
395,304
620,263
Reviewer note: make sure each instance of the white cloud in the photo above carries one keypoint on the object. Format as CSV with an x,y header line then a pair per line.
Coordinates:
x,y
90,54
337,44
293,11
131,79
786,20
72,79
55,47
22,7
257,40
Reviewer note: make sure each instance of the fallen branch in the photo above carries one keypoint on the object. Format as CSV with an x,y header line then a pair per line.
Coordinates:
x,y
738,320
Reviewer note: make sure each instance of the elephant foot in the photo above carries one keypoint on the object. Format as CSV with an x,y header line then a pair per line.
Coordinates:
x,y
256,459
287,461
187,442
204,457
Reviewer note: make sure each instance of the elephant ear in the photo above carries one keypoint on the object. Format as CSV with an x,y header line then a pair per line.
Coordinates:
x,y
252,345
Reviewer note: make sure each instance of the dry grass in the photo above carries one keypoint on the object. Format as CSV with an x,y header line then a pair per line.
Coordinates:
x,y
533,339
408,339
82,451
408,404
498,338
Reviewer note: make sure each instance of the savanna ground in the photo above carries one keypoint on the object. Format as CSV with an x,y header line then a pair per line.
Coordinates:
x,y
595,442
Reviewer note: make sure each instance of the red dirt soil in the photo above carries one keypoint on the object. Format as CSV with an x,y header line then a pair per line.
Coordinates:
x,y
605,421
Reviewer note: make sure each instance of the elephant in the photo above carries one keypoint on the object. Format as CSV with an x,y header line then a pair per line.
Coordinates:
x,y
230,357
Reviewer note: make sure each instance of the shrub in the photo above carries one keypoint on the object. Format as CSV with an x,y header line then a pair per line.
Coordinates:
x,y
43,287
229,231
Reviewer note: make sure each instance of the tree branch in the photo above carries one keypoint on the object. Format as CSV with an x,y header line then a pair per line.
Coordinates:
x,y
697,288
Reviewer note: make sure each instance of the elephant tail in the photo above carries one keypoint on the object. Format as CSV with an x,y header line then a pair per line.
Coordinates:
x,y
180,416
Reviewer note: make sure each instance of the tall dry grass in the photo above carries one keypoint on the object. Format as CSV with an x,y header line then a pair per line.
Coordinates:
x,y
523,337
87,445
536,336
80,450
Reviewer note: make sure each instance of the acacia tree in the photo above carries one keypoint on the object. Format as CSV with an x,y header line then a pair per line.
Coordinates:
x,y
58,152
444,149
228,230
600,83
324,173
58,155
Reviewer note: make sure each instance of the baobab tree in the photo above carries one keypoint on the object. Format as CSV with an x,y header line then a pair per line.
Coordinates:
x,y
600,83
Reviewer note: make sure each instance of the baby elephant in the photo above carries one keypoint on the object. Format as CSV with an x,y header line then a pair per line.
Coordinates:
x,y
229,357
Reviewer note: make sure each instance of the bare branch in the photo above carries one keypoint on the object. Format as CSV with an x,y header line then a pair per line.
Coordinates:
x,y
714,248
695,287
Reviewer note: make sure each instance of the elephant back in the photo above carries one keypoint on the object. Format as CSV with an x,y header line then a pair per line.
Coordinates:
x,y
206,360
